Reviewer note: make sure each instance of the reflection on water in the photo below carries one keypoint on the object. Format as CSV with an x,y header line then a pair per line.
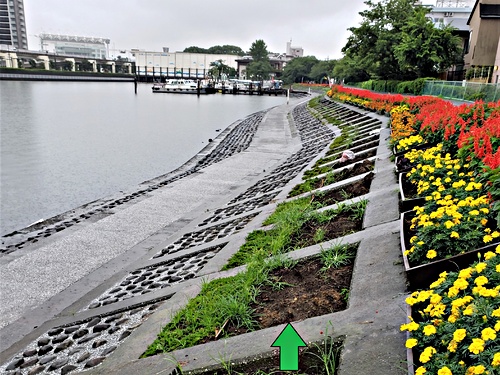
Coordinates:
x,y
64,144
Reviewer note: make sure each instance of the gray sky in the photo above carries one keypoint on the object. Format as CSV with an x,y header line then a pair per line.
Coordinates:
x,y
318,26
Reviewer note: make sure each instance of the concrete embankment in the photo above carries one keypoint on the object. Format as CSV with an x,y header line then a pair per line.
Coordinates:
x,y
93,297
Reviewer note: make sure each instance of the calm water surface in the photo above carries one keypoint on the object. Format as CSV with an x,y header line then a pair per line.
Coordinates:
x,y
64,144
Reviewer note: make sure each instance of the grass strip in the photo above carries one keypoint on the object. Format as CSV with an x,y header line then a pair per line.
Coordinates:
x,y
228,300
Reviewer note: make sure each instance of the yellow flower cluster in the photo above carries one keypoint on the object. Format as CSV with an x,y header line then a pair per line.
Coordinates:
x,y
457,207
402,124
458,316
410,141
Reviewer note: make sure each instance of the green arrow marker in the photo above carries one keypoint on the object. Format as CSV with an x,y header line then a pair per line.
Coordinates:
x,y
289,341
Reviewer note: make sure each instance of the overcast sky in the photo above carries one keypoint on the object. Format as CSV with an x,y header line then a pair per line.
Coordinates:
x,y
318,26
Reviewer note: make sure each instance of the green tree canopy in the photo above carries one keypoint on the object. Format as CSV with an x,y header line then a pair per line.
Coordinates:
x,y
260,68
226,50
322,70
218,69
396,41
194,49
216,50
426,50
258,51
299,69
347,70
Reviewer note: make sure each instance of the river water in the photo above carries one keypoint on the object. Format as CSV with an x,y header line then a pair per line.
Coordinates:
x,y
64,144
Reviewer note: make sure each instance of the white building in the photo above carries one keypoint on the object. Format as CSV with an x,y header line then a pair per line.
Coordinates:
x,y
78,46
181,64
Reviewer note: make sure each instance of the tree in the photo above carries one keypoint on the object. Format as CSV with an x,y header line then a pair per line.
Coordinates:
x,y
322,70
426,50
68,65
260,68
226,50
218,69
347,70
194,49
86,66
299,69
396,41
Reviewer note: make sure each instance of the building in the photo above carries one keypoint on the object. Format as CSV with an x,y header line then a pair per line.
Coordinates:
x,y
178,64
456,14
482,54
277,60
13,24
78,46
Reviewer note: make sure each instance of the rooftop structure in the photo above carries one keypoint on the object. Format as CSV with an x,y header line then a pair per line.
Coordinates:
x,y
70,45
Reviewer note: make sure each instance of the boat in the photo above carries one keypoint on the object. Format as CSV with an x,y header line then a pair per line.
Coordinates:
x,y
184,86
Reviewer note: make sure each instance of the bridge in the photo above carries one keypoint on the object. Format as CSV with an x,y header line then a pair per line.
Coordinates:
x,y
11,57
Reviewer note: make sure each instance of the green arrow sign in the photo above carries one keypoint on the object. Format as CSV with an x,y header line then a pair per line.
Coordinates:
x,y
289,341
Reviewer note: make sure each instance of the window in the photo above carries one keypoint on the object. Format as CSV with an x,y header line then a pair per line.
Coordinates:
x,y
489,11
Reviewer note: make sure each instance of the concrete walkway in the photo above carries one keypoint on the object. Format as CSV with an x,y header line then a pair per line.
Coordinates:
x,y
52,285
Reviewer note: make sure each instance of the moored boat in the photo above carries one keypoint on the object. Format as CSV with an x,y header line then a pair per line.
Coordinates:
x,y
184,86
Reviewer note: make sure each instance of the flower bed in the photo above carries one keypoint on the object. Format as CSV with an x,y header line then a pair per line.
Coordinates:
x,y
453,329
454,325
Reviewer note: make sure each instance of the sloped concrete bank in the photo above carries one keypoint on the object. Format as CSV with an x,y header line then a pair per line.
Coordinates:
x,y
158,254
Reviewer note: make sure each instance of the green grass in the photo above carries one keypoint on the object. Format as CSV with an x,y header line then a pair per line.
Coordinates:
x,y
284,237
228,300
338,255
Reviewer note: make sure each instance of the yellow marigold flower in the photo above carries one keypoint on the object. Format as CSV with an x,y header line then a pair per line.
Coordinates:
x,y
443,274
429,330
465,273
480,369
410,343
435,299
454,235
480,267
411,301
496,313
484,222
497,326
461,284
412,326
437,282
426,355
488,334
448,224
497,249
489,255
438,310
481,280
444,371
484,210
459,334
452,346
495,234
453,292
431,254
477,346
487,238
452,318
497,268
420,371
474,213
496,360
469,310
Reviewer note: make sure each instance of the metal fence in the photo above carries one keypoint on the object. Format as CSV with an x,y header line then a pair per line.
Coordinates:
x,y
462,90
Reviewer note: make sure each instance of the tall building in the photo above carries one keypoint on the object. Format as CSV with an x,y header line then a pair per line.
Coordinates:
x,y
13,24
